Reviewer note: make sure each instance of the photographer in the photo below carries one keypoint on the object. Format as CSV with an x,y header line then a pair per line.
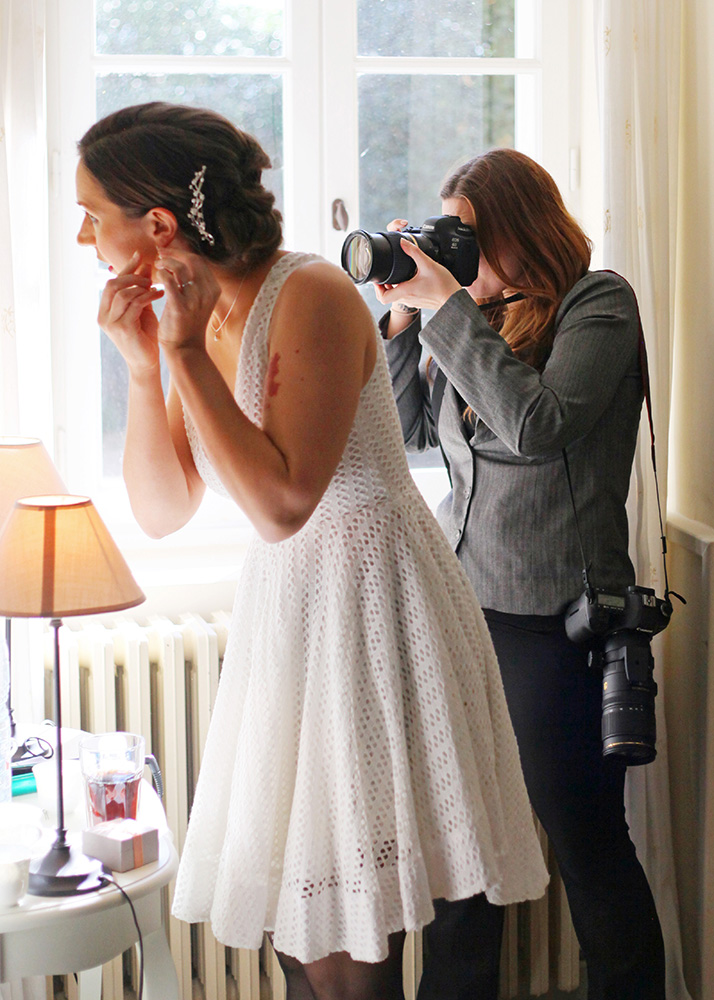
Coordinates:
x,y
536,356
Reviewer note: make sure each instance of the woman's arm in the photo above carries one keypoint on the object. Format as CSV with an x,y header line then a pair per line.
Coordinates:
x,y
162,482
164,488
533,413
410,386
322,351
595,347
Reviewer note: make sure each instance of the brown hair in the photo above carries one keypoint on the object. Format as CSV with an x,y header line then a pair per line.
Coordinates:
x,y
517,207
146,156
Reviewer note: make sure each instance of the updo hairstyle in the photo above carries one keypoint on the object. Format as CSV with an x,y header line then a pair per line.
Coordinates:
x,y
148,155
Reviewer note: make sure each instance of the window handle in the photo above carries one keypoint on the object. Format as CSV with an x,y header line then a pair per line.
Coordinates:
x,y
340,218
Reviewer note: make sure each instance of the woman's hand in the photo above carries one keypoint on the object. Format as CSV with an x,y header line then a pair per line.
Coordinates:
x,y
430,287
400,310
127,317
191,295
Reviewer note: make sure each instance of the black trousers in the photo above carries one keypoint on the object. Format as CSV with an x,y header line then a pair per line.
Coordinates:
x,y
555,702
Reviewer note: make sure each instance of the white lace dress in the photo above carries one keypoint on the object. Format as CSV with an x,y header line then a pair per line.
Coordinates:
x,y
360,760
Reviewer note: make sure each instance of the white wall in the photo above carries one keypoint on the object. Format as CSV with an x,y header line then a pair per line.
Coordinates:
x,y
692,434
690,699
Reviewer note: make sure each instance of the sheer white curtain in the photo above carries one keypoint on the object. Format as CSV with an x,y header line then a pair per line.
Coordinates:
x,y
25,388
25,356
25,342
637,57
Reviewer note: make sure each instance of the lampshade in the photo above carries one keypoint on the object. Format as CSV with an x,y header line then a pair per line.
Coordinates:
x,y
26,469
57,558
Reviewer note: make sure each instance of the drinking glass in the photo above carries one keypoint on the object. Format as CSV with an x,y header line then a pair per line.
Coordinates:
x,y
112,765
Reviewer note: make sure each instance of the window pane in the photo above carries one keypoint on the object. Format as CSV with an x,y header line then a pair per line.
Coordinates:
x,y
446,28
115,386
115,390
183,28
255,104
414,129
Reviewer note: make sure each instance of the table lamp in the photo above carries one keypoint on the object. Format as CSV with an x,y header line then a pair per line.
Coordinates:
x,y
26,469
58,559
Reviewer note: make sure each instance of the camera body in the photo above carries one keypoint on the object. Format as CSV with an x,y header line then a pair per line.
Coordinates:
x,y
620,627
379,257
598,612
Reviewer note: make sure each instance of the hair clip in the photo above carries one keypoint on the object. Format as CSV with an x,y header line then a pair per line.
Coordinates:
x,y
197,199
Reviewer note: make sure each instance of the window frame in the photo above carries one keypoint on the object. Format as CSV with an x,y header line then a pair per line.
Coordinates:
x,y
325,80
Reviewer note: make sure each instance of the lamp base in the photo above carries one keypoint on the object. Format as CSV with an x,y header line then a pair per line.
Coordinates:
x,y
65,871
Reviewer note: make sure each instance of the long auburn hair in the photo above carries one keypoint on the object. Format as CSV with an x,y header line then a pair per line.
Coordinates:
x,y
517,207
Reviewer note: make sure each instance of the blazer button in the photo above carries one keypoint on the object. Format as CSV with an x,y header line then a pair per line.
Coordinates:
x,y
457,534
467,492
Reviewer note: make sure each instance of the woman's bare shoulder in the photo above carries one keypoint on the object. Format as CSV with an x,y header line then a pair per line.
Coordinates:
x,y
319,285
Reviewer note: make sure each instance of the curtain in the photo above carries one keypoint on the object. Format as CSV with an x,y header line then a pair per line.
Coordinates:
x,y
25,361
24,255
637,60
8,355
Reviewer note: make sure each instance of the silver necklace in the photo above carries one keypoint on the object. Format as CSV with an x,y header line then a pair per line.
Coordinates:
x,y
216,330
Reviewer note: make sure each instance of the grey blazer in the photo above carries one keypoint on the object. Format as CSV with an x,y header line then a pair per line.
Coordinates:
x,y
509,515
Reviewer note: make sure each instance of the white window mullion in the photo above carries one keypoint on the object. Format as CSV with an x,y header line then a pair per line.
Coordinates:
x,y
559,117
303,134
339,103
529,117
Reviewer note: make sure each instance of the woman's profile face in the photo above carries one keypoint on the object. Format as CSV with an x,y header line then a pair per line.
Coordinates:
x,y
114,235
487,284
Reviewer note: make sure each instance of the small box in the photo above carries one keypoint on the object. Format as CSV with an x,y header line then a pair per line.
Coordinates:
x,y
122,844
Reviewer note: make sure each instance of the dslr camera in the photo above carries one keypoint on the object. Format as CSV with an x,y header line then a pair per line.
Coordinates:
x,y
620,627
379,257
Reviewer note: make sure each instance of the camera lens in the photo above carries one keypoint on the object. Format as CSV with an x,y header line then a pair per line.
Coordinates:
x,y
629,730
379,257
357,256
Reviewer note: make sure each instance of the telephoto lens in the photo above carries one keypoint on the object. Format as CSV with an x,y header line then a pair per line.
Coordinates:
x,y
629,729
379,256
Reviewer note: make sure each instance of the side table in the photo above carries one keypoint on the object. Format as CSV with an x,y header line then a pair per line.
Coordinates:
x,y
54,935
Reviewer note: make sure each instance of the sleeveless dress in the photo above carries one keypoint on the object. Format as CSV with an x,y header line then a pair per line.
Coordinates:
x,y
360,760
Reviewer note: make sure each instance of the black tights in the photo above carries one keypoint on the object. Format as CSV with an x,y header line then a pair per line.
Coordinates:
x,y
340,977
555,702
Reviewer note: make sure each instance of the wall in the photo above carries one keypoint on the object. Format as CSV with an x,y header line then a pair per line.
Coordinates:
x,y
689,707
692,435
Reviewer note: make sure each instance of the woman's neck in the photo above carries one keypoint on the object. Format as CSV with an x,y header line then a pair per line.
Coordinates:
x,y
237,295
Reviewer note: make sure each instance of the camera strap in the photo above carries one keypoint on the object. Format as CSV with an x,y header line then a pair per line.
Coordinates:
x,y
644,374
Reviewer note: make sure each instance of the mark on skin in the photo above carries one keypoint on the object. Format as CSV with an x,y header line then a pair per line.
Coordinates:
x,y
273,367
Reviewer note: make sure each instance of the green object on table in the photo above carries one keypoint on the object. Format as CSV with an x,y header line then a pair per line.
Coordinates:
x,y
23,784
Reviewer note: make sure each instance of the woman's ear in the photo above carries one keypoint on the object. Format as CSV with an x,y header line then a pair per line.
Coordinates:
x,y
163,226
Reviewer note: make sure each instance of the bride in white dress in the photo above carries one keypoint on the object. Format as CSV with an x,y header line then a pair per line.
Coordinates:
x,y
360,762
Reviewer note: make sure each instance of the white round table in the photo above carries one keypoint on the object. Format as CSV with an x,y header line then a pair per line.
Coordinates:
x,y
55,935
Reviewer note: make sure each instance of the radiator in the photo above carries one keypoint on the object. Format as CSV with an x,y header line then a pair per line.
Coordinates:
x,y
158,677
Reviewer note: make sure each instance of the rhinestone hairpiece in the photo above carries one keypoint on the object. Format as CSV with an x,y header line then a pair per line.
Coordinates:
x,y
195,213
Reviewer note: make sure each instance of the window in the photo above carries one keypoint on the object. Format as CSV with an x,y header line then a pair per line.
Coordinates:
x,y
368,102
